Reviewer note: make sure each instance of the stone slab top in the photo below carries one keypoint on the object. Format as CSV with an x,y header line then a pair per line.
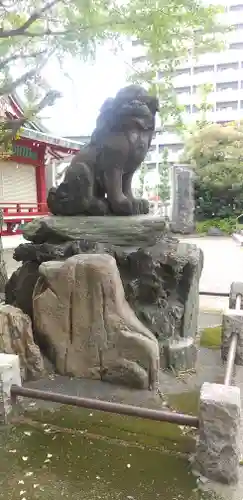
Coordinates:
x,y
233,312
218,393
121,231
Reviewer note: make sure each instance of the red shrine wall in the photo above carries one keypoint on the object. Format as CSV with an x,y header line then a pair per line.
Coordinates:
x,y
22,176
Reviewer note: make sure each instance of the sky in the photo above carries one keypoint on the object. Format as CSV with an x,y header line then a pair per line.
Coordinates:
x,y
83,94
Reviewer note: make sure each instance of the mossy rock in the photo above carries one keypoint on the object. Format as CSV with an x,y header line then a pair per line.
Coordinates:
x,y
211,337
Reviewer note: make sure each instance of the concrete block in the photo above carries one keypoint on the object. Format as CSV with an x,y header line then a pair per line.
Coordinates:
x,y
236,288
9,375
180,355
232,322
218,452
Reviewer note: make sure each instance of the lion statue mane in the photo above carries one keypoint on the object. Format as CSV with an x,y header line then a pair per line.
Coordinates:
x,y
98,179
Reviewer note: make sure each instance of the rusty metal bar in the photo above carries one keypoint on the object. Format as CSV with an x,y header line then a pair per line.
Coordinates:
x,y
106,406
230,359
215,294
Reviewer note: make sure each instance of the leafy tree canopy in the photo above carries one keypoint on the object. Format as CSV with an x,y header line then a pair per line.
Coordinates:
x,y
32,31
216,154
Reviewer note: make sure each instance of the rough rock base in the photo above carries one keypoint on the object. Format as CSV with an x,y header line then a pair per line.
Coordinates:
x,y
159,274
16,337
86,326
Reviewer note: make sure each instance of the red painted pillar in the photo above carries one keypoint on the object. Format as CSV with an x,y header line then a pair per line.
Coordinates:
x,y
41,187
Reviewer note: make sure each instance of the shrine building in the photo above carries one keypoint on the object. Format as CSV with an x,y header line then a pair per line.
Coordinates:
x,y
28,173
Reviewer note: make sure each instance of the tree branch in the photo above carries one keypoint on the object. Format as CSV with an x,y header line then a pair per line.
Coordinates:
x,y
12,58
10,127
34,17
29,34
10,87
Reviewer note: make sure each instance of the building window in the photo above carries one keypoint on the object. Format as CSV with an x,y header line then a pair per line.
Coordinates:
x,y
241,104
187,108
236,46
226,106
226,66
136,42
203,69
223,122
151,167
195,108
226,86
173,148
236,8
139,59
238,26
183,90
183,71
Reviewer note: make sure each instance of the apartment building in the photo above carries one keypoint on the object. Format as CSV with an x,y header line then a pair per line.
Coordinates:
x,y
223,70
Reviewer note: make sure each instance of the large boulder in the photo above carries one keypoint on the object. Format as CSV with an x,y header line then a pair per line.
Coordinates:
x,y
16,337
86,326
160,275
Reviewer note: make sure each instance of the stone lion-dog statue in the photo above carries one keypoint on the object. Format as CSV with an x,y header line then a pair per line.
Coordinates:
x,y
98,179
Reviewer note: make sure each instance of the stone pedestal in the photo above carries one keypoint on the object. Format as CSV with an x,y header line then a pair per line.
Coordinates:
x,y
180,355
9,375
182,200
159,274
218,453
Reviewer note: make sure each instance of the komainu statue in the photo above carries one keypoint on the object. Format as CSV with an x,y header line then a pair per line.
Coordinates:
x,y
98,180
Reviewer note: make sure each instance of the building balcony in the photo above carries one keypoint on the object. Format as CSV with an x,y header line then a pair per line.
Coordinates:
x,y
169,138
220,116
152,157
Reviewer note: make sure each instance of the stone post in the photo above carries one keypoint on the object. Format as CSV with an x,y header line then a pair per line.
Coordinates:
x,y
9,375
233,323
218,448
182,200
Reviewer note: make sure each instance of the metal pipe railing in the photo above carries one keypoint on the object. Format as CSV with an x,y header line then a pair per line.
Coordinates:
x,y
230,359
215,294
232,350
106,406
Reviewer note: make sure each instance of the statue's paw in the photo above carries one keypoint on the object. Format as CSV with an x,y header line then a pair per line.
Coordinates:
x,y
140,206
122,207
98,207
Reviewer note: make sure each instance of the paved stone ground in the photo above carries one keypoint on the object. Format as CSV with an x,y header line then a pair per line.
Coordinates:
x,y
223,262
